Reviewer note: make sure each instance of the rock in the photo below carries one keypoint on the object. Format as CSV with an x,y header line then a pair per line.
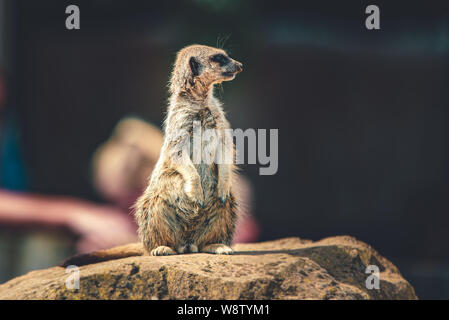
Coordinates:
x,y
291,268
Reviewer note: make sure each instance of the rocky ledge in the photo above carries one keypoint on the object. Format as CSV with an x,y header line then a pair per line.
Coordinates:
x,y
291,268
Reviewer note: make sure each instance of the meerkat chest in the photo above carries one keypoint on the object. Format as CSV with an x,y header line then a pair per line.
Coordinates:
x,y
207,134
206,139
207,118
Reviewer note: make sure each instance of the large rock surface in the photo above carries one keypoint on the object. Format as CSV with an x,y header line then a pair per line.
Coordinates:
x,y
332,268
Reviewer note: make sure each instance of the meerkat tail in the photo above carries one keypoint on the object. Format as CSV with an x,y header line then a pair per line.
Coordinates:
x,y
125,251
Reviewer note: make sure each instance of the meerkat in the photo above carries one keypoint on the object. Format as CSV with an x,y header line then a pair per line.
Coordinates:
x,y
188,206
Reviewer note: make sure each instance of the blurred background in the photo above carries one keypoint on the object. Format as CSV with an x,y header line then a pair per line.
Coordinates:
x,y
362,118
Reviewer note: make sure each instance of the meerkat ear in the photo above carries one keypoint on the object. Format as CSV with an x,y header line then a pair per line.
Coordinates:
x,y
195,66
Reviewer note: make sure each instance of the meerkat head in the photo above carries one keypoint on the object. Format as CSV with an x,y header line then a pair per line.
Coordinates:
x,y
204,66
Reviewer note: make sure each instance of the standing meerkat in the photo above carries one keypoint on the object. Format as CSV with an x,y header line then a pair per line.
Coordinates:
x,y
188,206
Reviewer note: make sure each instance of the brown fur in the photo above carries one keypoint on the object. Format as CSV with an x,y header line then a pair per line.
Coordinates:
x,y
188,207
129,250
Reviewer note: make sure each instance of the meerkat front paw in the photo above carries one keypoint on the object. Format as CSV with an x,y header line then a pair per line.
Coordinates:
x,y
162,251
217,248
194,191
223,193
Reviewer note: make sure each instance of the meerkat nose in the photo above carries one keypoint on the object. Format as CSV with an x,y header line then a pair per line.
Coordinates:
x,y
239,67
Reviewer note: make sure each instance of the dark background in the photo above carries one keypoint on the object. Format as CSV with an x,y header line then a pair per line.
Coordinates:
x,y
362,115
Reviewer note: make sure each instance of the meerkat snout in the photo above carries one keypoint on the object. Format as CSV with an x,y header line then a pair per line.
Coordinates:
x,y
229,67
234,68
239,66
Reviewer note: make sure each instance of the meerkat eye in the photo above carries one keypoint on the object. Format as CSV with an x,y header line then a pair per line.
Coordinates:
x,y
220,58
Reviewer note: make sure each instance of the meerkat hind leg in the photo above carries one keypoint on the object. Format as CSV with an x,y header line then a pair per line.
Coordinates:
x,y
162,251
188,248
217,248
